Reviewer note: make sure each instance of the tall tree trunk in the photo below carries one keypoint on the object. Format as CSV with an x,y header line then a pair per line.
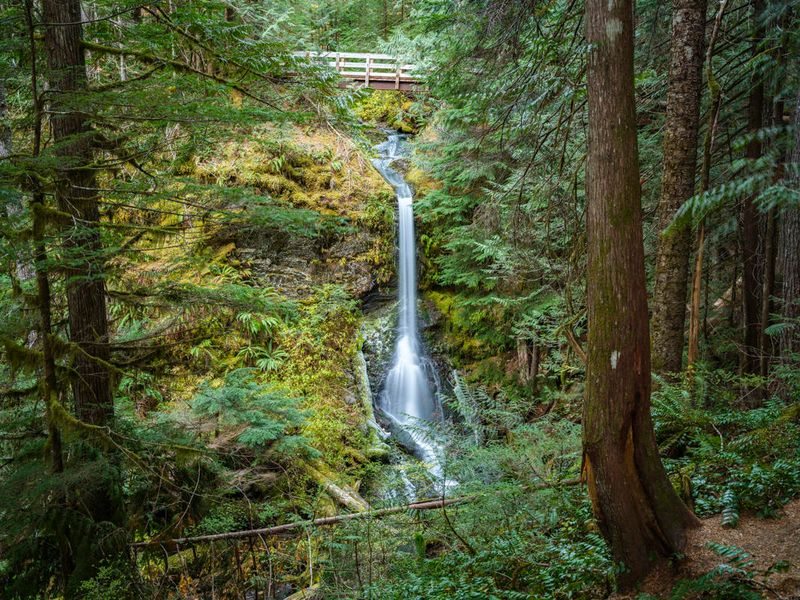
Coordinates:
x,y
677,182
767,344
75,195
764,343
23,269
639,512
750,222
5,130
790,260
715,96
43,298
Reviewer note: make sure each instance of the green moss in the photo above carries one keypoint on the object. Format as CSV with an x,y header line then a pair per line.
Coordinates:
x,y
392,108
458,335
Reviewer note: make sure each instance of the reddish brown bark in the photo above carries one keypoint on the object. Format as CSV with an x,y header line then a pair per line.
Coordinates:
x,y
638,511
770,250
752,266
789,261
766,343
715,94
75,195
677,182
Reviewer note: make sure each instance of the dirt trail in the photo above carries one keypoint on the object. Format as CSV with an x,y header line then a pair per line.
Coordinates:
x,y
767,541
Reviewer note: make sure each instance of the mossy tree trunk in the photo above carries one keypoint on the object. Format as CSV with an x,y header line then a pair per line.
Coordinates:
x,y
677,182
639,512
76,195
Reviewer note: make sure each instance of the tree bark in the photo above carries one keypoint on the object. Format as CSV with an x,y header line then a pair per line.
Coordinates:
x,y
638,511
677,182
790,260
765,343
715,97
43,296
75,195
750,223
23,269
5,130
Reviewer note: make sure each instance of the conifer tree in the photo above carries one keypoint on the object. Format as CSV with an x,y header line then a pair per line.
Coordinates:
x,y
677,182
76,196
639,512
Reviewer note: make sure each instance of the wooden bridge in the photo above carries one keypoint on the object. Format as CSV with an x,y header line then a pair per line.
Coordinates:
x,y
378,71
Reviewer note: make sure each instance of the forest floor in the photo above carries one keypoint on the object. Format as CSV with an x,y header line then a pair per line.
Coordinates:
x,y
768,542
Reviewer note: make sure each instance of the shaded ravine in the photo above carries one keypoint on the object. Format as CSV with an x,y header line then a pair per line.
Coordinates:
x,y
409,400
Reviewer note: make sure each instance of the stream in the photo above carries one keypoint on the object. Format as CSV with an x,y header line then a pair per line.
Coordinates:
x,y
409,400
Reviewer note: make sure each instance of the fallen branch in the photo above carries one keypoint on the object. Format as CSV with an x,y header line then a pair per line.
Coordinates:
x,y
374,514
427,505
575,345
342,494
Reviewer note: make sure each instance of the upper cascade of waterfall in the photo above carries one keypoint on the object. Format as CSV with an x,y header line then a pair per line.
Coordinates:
x,y
408,399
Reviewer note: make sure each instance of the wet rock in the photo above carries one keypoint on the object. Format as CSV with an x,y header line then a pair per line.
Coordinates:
x,y
401,165
295,265
380,335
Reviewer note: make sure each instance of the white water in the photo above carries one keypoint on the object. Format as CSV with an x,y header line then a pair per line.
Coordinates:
x,y
408,399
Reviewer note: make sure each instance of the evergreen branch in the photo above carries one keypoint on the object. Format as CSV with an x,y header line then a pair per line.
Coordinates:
x,y
117,84
149,58
164,18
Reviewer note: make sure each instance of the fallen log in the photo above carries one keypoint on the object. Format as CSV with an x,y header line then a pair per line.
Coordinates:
x,y
376,513
311,593
382,512
344,495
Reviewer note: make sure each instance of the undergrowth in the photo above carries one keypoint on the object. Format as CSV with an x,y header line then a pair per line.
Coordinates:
x,y
727,457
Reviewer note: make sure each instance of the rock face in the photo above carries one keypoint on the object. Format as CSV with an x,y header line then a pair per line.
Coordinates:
x,y
376,435
342,205
295,265
380,335
346,262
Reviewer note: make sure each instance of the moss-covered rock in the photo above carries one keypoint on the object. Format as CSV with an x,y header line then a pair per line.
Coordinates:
x,y
392,109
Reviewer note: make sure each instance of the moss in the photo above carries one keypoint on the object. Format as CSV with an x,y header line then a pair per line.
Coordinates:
x,y
19,356
392,108
315,169
457,334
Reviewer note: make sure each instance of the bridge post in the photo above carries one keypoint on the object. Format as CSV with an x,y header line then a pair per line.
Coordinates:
x,y
397,77
338,55
369,68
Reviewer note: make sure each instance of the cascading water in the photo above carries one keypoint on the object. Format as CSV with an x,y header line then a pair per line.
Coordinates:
x,y
409,400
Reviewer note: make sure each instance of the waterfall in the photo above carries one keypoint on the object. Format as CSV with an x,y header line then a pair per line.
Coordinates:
x,y
408,399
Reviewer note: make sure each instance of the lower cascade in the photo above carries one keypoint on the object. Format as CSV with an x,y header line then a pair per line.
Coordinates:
x,y
409,400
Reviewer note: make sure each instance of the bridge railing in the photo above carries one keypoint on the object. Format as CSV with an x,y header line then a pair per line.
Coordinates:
x,y
375,70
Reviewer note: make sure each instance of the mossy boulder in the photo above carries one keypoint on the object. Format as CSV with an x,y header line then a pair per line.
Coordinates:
x,y
393,109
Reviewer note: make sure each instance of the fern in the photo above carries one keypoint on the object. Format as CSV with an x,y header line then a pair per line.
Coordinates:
x,y
730,508
254,414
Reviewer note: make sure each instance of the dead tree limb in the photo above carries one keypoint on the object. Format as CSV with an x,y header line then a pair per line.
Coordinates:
x,y
366,514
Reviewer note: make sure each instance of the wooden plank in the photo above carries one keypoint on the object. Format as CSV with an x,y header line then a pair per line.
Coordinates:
x,y
408,86
365,55
375,65
374,70
392,66
362,75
